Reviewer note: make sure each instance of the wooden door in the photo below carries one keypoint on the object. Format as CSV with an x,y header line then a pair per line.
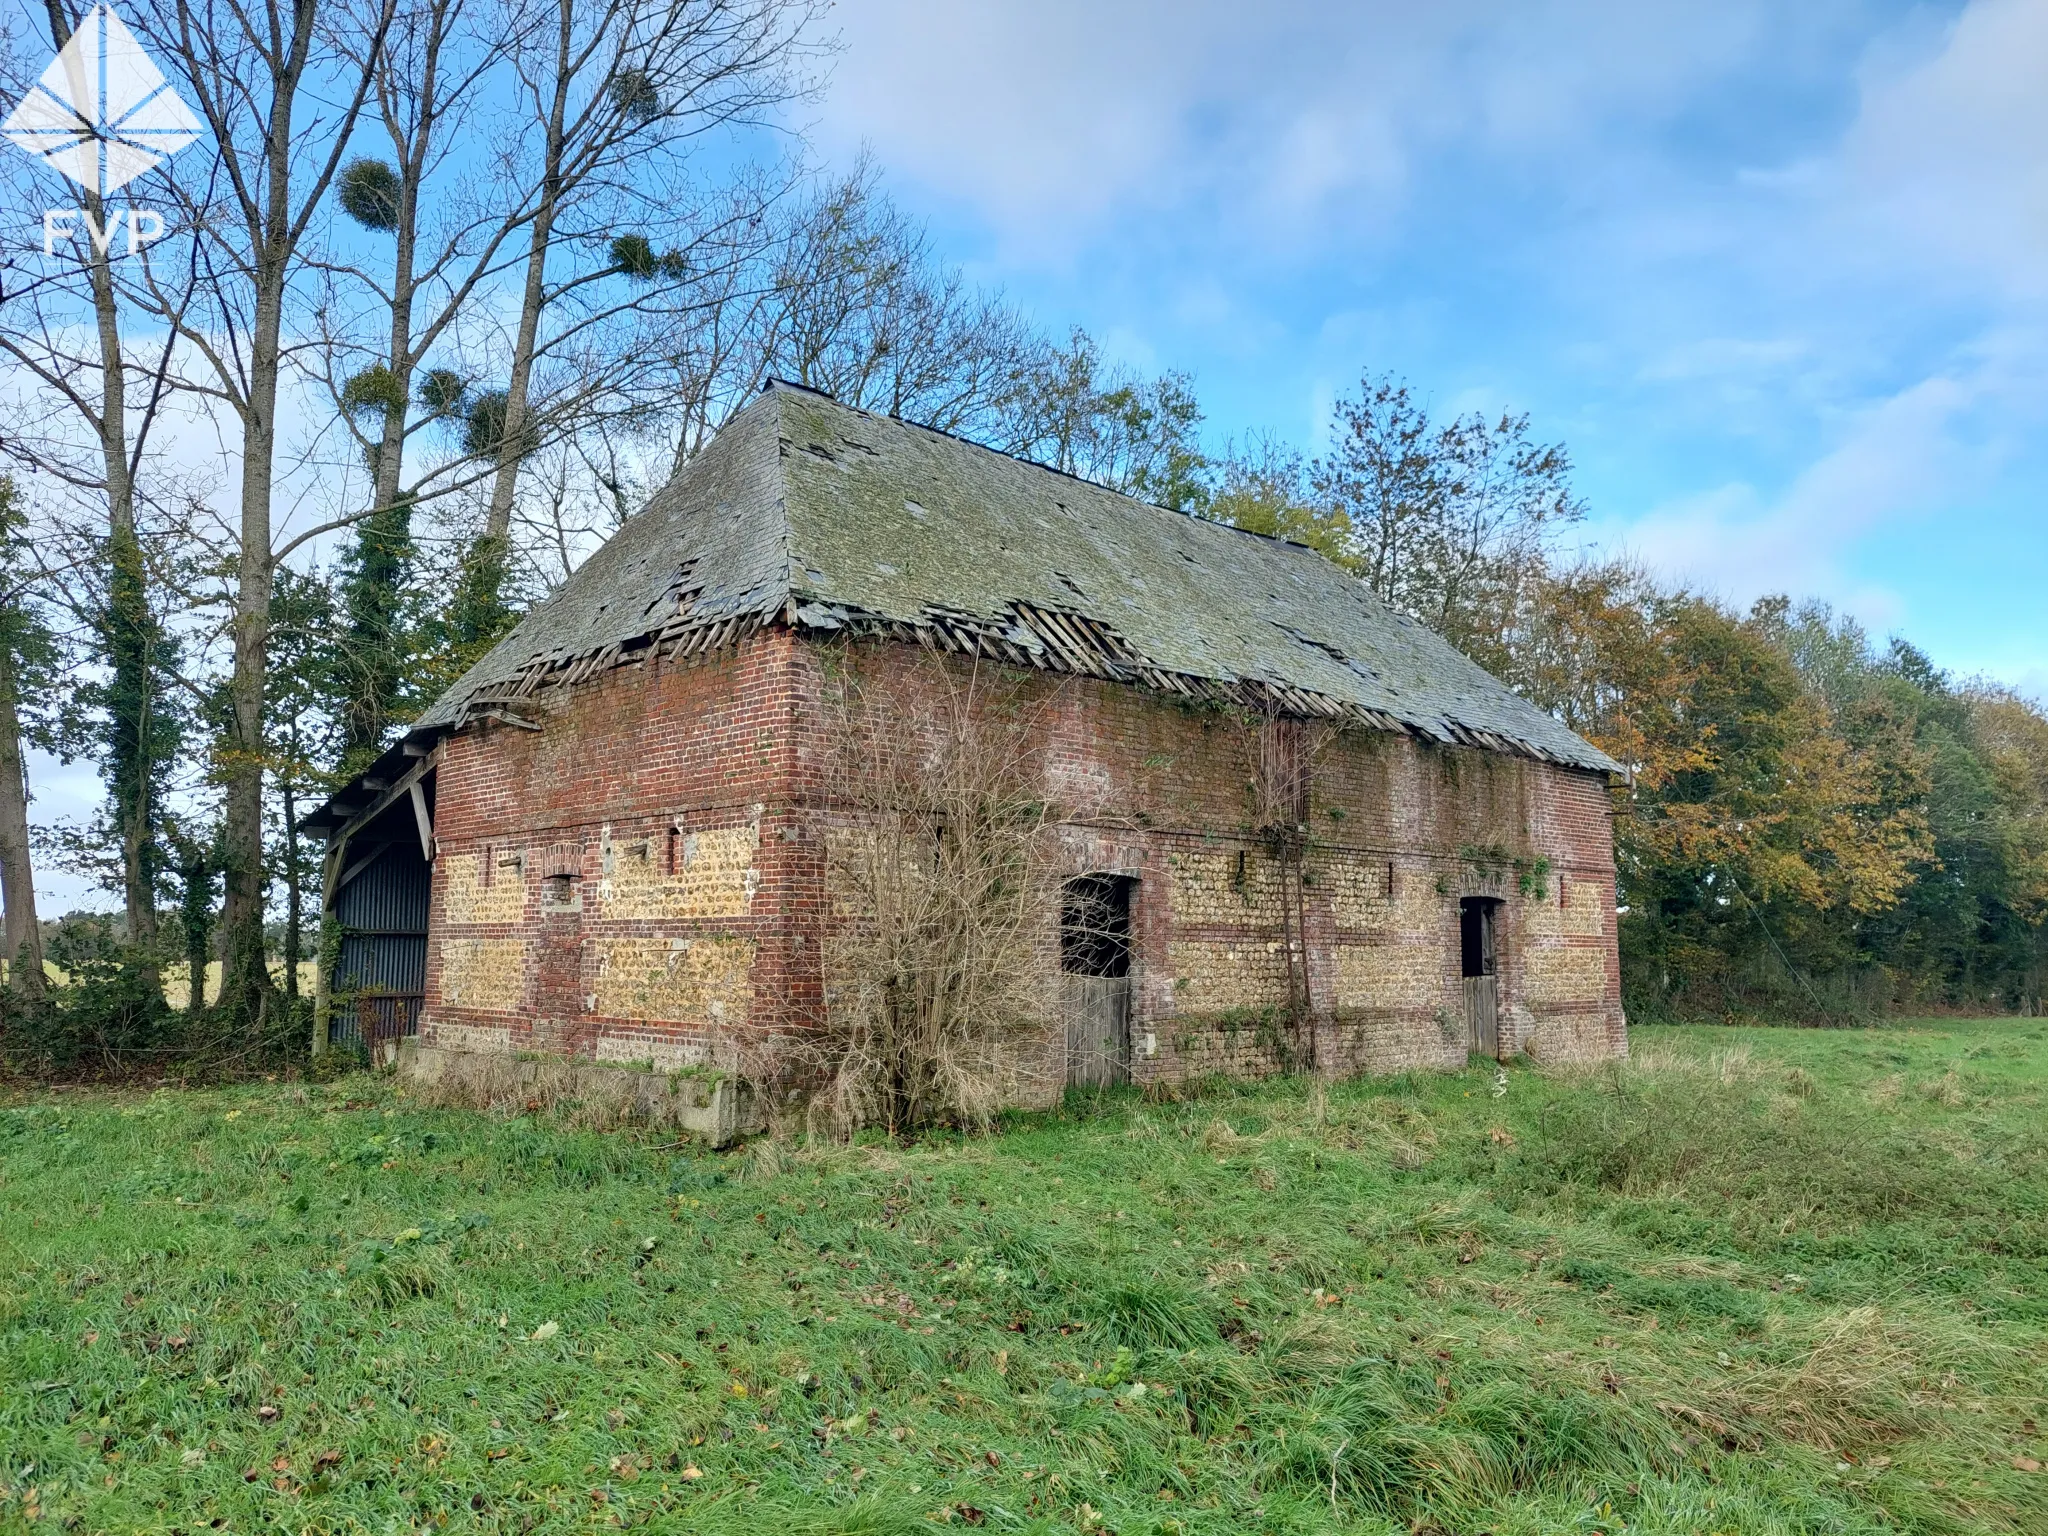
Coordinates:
x,y
1098,1030
1095,959
1482,1015
1480,964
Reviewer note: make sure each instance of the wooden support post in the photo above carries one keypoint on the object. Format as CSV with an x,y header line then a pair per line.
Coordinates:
x,y
426,822
330,865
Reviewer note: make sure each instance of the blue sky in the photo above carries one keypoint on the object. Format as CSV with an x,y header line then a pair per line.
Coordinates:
x,y
1777,273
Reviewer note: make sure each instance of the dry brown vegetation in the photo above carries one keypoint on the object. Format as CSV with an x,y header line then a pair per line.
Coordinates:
x,y
941,869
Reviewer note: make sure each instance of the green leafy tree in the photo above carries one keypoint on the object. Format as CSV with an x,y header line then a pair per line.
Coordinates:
x,y
1265,490
30,670
317,672
195,864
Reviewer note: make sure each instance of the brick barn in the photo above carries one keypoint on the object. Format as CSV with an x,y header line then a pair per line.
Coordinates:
x,y
604,843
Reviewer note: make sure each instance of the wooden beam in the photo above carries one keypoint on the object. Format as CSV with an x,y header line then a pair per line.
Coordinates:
x,y
360,865
506,717
329,863
426,822
383,802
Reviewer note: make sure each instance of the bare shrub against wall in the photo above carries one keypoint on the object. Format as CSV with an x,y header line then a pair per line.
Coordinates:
x,y
941,865
1280,754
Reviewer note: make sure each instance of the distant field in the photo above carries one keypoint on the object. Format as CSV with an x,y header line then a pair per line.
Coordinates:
x,y
178,980
1756,1281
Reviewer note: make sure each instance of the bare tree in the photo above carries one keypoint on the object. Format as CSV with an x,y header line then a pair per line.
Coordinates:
x,y
1382,475
941,863
1448,521
427,79
428,76
280,96
828,284
1506,498
612,92
864,311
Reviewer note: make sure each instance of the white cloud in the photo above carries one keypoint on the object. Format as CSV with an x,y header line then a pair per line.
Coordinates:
x,y
1049,119
1714,358
1893,350
1899,458
1945,164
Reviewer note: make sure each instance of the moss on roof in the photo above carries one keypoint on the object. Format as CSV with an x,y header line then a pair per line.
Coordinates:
x,y
830,518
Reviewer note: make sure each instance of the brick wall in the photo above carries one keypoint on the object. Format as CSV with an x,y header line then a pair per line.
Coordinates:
x,y
628,883
643,879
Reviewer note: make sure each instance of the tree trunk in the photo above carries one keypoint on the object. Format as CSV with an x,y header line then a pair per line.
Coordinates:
x,y
511,447
197,913
245,978
22,943
391,446
127,629
247,65
292,897
384,538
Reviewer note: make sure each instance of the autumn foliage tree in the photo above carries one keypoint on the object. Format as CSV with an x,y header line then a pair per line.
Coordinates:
x,y
1810,824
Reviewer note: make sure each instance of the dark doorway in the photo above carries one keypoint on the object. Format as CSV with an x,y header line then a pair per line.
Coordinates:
x,y
1095,961
380,974
1479,962
382,887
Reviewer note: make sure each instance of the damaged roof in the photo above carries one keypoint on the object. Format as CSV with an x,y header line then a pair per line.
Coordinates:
x,y
808,512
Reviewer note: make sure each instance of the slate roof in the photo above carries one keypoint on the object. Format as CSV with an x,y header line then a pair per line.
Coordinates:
x,y
808,512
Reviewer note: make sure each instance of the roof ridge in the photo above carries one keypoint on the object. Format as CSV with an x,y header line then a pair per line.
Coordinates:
x,y
803,498
774,382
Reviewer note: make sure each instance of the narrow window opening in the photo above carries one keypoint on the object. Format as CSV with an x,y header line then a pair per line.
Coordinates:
x,y
1475,935
1095,926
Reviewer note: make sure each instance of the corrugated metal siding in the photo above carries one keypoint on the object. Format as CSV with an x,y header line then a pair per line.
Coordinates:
x,y
382,962
370,1018
391,896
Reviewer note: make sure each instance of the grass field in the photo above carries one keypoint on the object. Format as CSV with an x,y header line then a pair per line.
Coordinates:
x,y
1752,1282
177,978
